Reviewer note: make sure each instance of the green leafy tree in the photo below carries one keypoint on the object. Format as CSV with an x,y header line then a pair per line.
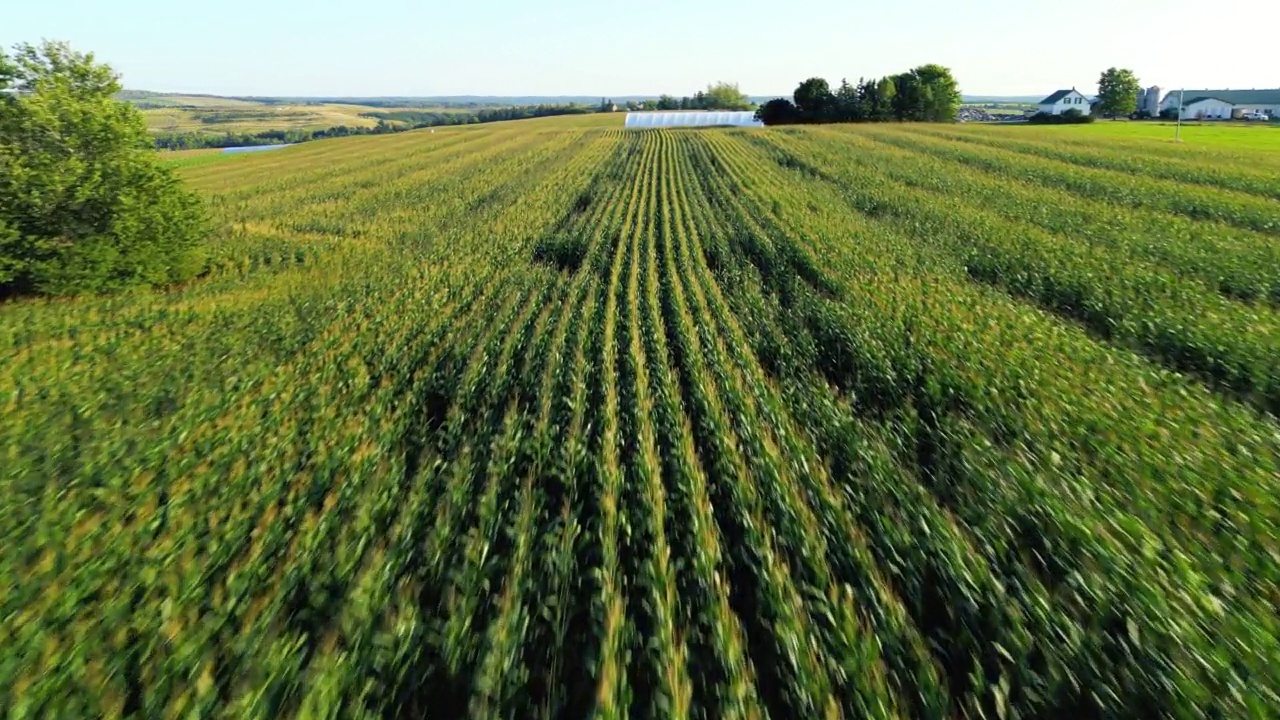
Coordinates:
x,y
726,96
813,99
778,111
85,205
1118,93
884,95
910,97
939,93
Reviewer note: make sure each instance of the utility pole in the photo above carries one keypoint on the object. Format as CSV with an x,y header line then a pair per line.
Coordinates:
x,y
1177,133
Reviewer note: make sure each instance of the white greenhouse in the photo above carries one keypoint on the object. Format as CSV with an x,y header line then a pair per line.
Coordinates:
x,y
694,118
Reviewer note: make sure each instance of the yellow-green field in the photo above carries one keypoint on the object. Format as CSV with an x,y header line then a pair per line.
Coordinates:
x,y
553,419
196,158
257,118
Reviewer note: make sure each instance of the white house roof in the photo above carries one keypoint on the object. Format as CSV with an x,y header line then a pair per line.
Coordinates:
x,y
1054,98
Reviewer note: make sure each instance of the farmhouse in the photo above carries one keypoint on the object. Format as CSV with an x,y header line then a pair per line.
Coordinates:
x,y
1210,104
1064,100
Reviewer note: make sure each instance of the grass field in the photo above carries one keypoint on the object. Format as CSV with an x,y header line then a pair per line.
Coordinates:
x,y
1222,135
553,419
178,159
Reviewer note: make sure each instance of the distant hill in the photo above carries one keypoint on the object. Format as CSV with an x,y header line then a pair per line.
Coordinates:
x,y
433,100
147,99
469,100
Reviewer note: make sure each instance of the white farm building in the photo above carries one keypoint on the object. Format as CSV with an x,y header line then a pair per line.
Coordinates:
x,y
1064,100
696,118
1206,108
1223,104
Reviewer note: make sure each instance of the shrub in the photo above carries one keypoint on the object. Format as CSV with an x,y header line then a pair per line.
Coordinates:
x,y
1070,117
778,111
84,204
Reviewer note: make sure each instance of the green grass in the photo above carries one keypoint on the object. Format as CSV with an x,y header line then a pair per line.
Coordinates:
x,y
1226,135
550,419
197,158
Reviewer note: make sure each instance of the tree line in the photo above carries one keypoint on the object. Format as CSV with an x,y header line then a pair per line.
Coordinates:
x,y
717,96
928,93
200,140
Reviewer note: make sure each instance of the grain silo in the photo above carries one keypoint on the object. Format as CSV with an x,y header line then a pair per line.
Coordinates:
x,y
1151,102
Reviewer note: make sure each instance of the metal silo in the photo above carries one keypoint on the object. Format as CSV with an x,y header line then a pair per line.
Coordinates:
x,y
1152,101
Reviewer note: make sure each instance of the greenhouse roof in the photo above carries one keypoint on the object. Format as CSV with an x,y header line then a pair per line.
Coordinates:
x,y
696,118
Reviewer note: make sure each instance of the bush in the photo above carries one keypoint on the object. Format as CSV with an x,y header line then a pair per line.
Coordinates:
x,y
778,111
1070,117
84,204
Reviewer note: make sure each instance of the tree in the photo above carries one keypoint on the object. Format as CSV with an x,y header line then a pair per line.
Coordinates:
x,y
814,99
778,111
666,102
883,94
1118,93
909,97
940,93
848,102
85,205
726,96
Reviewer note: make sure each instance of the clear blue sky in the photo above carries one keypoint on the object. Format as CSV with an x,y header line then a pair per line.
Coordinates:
x,y
581,47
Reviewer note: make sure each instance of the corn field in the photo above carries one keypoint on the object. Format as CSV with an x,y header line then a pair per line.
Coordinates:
x,y
553,419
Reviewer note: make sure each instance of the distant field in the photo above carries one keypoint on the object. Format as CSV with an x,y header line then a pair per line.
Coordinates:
x,y
249,118
552,419
199,101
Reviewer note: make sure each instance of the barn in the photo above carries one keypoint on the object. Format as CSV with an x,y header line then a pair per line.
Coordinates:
x,y
1241,101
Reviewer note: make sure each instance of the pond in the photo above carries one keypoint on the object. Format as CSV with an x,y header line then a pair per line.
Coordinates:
x,y
253,148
